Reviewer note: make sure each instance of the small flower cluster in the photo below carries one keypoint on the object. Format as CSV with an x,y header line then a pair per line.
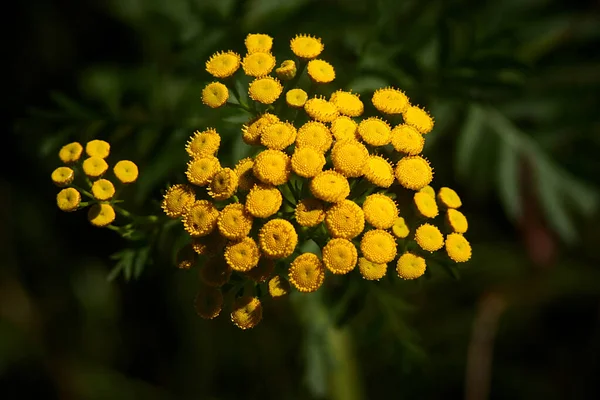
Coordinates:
x,y
101,192
324,175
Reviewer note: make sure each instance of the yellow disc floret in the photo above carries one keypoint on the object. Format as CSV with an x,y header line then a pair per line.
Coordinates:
x,y
278,136
378,246
247,312
278,287
345,128
390,101
203,144
400,229
426,205
97,148
375,131
296,98
380,211
418,119
345,220
200,218
314,134
429,237
429,190
258,42
234,221
242,255
243,170
103,189
340,256
309,212
320,71
379,171
449,198
277,238
265,90
307,273
287,70
208,302
251,132
456,221
349,157
258,64
306,46
320,109
68,199
62,176
330,186
70,153
177,199
414,172
215,94
101,215
94,167
223,64
272,167
407,140
201,170
371,271
263,201
458,248
410,266
307,162
347,103
126,171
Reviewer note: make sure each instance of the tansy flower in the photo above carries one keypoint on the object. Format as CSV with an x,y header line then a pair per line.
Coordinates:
x,y
296,98
429,190
278,136
410,266
70,153
262,271
223,64
234,221
68,199
426,205
306,46
307,273
272,167
263,201
309,212
345,220
258,42
97,148
390,101
62,176
378,246
201,170
458,248
320,109
371,271
375,131
429,237
449,198
258,64
320,71
215,272
340,256
94,167
330,186
215,94
344,128
278,287
101,215
242,255
203,144
347,103
456,220
247,312
307,162
200,218
287,70
243,170
251,133
265,90
126,171
185,257
349,157
380,211
314,134
177,199
277,238
378,171
103,189
407,140
414,172
208,302
418,119
400,229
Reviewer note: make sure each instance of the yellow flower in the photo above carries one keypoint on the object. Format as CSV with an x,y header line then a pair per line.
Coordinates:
x,y
457,221
345,128
97,148
340,256
314,134
62,176
407,140
296,98
349,158
223,64
278,287
380,211
234,221
258,64
320,71
203,144
426,205
103,189
70,153
200,218
243,170
320,109
375,131
378,246
309,212
94,167
247,312
379,172
258,42
414,172
429,190
306,46
278,136
68,199
371,271
185,257
101,215
265,90
242,255
287,70
215,95
345,220
251,133
215,272
277,238
208,302
390,101
263,201
223,185
449,198
458,248
177,199
307,162
400,229
262,271
126,171
307,273
410,266
330,186
201,170
429,237
418,119
272,167
347,103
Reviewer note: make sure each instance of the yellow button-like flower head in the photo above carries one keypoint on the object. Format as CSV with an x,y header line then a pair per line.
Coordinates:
x,y
345,128
278,287
429,190
320,109
379,171
258,42
410,266
340,256
418,119
307,161
449,198
306,46
348,104
309,212
414,172
103,189
101,215
203,144
223,185
94,167
278,136
371,271
380,211
277,238
234,221
390,101
242,255
251,132
400,229
247,312
201,170
177,199
126,171
345,220
349,158
378,246
263,201
208,302
215,94
457,221
407,140
307,273
287,70
243,169
68,199
330,186
296,98
97,148
272,167
429,237
426,205
458,248
314,134
375,131
265,90
70,153
223,64
258,64
200,218
62,176
320,71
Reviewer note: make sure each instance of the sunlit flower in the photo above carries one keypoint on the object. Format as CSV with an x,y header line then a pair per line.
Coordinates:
x,y
309,212
414,172
287,70
223,64
258,42
272,167
407,140
101,215
97,148
320,71
425,204
247,312
449,198
380,211
330,186
390,101
277,238
68,199
345,220
215,94
349,158
200,218
94,167
348,104
418,119
340,256
429,237
307,162
234,221
345,128
176,199
62,176
379,171
296,98
103,189
320,109
251,132
314,134
458,248
263,201
429,190
410,266
278,136
371,271
70,153
126,171
375,131
306,46
400,229
203,144
265,90
456,220
307,272
378,246
242,255
258,64
201,170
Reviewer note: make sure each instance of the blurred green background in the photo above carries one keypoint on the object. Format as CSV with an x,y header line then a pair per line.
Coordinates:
x,y
514,87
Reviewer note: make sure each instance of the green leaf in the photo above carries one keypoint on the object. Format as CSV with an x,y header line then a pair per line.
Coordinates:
x,y
367,83
508,180
469,138
71,106
124,265
141,259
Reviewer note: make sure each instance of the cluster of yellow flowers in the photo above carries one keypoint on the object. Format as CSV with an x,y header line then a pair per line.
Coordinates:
x,y
324,175
100,191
